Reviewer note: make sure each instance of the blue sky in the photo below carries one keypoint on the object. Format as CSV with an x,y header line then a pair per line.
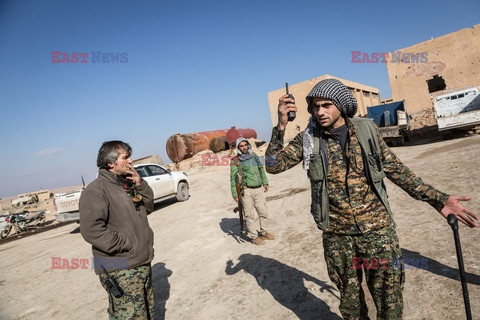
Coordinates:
x,y
192,66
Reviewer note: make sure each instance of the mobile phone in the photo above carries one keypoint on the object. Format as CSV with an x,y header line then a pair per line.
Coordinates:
x,y
291,114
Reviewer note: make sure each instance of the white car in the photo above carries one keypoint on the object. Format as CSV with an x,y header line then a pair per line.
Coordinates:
x,y
164,182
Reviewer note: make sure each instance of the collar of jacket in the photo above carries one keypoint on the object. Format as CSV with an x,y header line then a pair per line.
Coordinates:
x,y
111,177
348,123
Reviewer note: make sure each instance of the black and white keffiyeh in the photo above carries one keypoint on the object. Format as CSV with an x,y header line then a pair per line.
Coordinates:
x,y
336,91
308,142
343,99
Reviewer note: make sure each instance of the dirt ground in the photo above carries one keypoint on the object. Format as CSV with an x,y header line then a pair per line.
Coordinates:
x,y
203,270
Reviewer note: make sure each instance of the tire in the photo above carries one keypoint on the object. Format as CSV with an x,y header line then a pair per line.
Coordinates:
x,y
5,231
182,191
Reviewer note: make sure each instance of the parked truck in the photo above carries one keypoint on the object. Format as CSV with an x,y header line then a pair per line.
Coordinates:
x,y
392,121
66,205
459,109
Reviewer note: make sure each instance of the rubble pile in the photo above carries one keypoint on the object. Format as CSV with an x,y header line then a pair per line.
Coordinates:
x,y
422,119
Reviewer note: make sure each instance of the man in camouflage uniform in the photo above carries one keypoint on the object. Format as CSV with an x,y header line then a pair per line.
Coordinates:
x,y
346,160
113,218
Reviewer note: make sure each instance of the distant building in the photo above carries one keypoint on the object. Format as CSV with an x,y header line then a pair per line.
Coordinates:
x,y
431,68
41,195
6,203
149,159
388,100
365,95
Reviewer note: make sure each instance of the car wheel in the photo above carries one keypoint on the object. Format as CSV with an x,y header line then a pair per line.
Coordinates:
x,y
182,192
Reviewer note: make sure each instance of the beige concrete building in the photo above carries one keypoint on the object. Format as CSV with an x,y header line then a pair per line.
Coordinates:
x,y
438,66
149,159
365,95
40,195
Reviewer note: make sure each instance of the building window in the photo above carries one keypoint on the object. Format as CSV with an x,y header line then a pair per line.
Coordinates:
x,y
366,94
436,84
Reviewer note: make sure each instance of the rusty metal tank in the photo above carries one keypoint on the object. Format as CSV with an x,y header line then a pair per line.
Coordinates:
x,y
233,134
218,144
183,146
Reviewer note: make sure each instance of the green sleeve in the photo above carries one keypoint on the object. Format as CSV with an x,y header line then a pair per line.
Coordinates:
x,y
279,158
233,173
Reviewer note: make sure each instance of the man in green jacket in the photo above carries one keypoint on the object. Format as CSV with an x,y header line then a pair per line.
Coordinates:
x,y
247,169
346,161
113,219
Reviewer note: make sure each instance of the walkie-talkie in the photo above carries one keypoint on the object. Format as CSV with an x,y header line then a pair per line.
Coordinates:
x,y
291,114
112,284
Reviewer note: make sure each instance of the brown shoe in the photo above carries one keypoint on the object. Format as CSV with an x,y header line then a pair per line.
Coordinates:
x,y
267,236
258,241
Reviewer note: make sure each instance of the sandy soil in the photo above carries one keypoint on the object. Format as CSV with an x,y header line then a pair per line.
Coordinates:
x,y
203,270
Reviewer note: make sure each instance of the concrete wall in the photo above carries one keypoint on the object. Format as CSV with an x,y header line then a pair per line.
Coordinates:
x,y
455,57
365,95
149,159
41,195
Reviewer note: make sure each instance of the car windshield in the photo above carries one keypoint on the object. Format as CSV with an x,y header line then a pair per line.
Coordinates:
x,y
156,170
141,172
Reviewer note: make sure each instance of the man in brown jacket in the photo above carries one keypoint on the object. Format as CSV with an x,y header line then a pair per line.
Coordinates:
x,y
113,218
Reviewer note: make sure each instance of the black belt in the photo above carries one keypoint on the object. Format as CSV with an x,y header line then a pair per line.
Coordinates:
x,y
253,187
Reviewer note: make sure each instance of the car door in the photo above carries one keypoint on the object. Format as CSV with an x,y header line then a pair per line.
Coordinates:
x,y
144,172
160,180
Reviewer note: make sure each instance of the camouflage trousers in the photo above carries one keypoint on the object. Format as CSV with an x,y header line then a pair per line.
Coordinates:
x,y
137,301
348,257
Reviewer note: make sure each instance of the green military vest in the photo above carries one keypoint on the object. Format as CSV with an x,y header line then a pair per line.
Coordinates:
x,y
317,172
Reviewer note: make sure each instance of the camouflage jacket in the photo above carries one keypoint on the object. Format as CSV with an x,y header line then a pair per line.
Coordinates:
x,y
351,197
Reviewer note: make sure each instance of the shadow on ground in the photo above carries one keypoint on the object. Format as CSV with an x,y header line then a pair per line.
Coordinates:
x,y
164,203
286,285
411,259
160,282
231,226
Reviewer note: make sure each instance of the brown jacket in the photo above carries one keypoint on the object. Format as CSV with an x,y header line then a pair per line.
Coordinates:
x,y
120,235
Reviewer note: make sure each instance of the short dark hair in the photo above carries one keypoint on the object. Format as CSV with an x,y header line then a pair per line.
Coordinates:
x,y
109,152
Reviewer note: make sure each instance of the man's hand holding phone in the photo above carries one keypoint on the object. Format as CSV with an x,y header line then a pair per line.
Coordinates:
x,y
285,105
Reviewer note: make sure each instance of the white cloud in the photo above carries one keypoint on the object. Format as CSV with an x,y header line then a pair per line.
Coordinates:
x,y
48,152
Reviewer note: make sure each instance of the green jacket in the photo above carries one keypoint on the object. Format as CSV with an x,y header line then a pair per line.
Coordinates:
x,y
251,169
